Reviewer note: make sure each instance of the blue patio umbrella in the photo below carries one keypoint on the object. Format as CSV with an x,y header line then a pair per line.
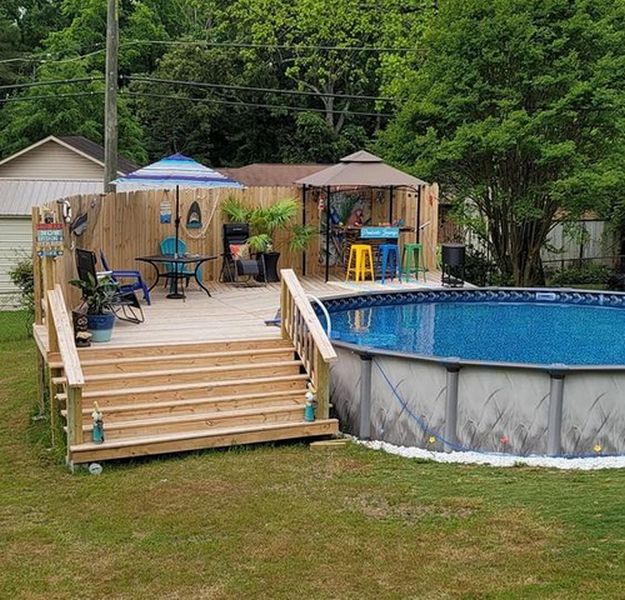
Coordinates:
x,y
175,172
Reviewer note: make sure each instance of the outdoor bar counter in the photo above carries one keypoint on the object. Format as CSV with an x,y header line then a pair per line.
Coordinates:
x,y
374,236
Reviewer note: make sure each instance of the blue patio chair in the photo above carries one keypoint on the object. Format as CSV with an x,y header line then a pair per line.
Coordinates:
x,y
137,284
168,246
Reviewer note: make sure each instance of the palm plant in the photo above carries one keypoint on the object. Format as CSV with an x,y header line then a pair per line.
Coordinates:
x,y
265,221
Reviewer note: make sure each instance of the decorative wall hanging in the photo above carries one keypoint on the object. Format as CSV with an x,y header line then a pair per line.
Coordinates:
x,y
165,211
50,240
198,229
79,224
194,216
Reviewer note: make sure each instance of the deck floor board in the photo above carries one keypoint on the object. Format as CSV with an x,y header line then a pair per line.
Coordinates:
x,y
232,313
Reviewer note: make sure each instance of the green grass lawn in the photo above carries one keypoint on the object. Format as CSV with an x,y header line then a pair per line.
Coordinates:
x,y
14,325
286,522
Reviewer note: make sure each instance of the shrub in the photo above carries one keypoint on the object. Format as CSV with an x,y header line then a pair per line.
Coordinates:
x,y
586,274
22,277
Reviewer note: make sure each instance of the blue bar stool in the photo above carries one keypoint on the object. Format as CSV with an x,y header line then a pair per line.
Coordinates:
x,y
390,260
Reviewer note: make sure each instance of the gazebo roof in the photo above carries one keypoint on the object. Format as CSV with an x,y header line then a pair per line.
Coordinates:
x,y
361,169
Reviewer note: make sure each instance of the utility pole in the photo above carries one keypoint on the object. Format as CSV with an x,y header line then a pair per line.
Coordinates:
x,y
110,95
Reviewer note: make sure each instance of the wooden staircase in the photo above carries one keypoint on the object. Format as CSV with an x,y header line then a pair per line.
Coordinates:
x,y
175,397
159,399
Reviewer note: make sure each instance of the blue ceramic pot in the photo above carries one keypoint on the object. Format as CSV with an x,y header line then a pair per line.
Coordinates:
x,y
101,327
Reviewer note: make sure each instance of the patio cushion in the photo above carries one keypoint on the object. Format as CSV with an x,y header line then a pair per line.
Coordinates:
x,y
240,251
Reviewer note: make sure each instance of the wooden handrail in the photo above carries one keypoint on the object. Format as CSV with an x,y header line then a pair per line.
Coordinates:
x,y
300,324
63,333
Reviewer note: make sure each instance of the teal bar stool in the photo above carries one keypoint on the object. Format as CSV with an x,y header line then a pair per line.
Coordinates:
x,y
390,260
411,261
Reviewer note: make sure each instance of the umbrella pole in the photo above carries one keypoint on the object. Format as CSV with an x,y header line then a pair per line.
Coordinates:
x,y
175,294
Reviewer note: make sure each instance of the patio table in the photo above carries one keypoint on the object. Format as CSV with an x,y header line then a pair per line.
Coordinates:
x,y
177,262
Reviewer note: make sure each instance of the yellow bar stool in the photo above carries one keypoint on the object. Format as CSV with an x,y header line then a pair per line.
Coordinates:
x,y
360,262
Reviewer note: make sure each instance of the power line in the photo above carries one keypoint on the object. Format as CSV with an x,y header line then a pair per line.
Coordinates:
x,y
30,84
46,57
48,96
270,46
255,89
254,104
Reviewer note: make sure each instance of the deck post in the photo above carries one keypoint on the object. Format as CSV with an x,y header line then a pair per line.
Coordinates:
x,y
451,405
556,401
364,431
322,386
37,283
74,416
284,297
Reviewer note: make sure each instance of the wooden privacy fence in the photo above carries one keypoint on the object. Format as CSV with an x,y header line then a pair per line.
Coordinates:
x,y
300,324
126,225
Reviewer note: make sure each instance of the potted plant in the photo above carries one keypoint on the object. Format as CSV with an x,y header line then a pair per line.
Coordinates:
x,y
264,222
97,299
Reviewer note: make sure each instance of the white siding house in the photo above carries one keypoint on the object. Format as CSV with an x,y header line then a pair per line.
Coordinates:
x,y
51,169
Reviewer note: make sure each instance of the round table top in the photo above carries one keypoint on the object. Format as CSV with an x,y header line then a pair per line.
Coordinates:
x,y
170,258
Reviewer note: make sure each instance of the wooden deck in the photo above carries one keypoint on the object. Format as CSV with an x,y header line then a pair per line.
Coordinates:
x,y
233,312
199,373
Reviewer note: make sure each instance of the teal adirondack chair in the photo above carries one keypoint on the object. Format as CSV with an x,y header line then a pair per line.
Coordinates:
x,y
168,246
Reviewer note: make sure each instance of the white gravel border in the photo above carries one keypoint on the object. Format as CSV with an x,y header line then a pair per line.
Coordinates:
x,y
499,460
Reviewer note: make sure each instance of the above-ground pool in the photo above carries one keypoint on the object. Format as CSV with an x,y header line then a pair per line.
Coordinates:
x,y
494,370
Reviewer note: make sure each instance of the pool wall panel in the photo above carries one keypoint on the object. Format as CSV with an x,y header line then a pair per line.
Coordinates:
x,y
416,410
503,410
593,414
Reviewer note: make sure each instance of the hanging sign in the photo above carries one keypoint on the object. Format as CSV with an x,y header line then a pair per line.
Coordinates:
x,y
166,211
50,239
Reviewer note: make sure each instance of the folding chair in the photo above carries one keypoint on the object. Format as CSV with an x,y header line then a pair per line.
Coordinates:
x,y
234,267
137,284
125,306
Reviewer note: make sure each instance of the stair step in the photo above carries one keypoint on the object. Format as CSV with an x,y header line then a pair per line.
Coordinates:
x,y
194,359
159,349
195,440
184,391
195,422
193,374
191,406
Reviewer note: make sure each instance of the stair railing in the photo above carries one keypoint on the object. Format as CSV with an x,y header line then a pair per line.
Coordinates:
x,y
61,340
299,323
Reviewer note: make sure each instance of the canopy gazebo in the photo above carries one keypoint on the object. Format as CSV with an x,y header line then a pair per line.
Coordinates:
x,y
361,170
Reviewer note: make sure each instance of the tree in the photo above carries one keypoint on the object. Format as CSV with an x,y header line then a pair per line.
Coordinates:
x,y
517,108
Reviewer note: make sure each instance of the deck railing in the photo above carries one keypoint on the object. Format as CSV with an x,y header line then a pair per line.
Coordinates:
x,y
61,340
300,324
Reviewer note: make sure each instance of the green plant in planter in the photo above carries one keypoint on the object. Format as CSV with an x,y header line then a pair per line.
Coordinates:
x,y
97,295
265,221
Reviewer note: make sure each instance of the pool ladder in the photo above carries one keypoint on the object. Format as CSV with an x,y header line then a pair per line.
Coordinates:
x,y
325,312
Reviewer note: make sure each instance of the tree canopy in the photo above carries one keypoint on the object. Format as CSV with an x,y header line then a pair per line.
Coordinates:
x,y
517,109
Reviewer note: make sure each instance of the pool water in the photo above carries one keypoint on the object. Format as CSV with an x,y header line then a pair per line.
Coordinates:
x,y
525,332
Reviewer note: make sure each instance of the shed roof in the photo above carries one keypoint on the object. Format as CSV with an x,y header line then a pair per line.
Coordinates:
x,y
18,196
96,151
361,169
268,174
81,145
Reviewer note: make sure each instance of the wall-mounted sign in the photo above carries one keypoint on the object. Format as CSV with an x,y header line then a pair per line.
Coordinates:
x,y
50,239
379,232
166,211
